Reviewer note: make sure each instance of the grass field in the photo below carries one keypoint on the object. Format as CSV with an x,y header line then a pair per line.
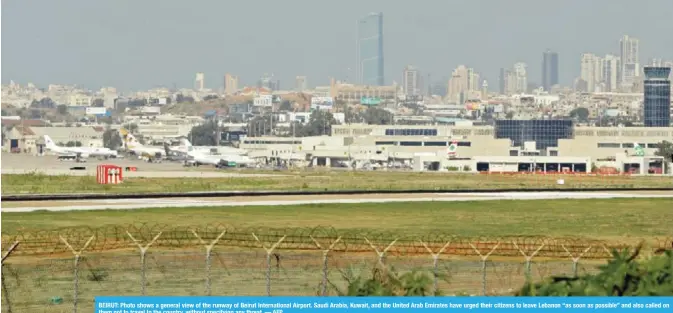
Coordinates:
x,y
613,219
40,184
32,281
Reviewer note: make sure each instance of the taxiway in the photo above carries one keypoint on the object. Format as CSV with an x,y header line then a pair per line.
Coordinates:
x,y
131,204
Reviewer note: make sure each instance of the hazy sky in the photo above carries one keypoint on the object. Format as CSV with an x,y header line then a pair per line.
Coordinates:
x,y
132,44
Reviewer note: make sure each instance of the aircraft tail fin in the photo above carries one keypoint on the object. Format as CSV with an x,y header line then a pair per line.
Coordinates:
x,y
185,142
49,143
132,140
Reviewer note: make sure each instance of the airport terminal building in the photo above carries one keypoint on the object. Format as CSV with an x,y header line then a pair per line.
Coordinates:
x,y
509,145
514,138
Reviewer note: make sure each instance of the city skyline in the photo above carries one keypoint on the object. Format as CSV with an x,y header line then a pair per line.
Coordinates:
x,y
411,37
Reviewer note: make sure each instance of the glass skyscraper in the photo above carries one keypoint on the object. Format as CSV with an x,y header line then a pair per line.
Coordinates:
x,y
549,69
370,50
657,106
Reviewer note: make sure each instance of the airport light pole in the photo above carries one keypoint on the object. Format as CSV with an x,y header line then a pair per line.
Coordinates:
x,y
290,161
350,159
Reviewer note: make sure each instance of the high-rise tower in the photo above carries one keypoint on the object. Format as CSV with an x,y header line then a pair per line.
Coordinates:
x,y
629,54
369,67
549,69
199,81
411,81
230,84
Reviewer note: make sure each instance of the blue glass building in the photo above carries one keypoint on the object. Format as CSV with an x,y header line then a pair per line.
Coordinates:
x,y
657,106
545,133
370,50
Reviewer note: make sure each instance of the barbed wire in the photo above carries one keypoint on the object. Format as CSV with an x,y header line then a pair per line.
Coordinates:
x,y
115,237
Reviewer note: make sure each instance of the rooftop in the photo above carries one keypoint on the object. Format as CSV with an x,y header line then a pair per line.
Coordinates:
x,y
652,72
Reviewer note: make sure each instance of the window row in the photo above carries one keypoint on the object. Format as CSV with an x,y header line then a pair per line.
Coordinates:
x,y
411,132
422,143
627,145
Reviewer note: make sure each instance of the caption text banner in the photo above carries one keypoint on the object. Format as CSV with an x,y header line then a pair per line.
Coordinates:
x,y
379,304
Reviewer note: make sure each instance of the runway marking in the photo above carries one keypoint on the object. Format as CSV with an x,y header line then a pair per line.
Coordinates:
x,y
130,204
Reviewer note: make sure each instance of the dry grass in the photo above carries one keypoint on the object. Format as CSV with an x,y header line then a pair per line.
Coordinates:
x,y
41,184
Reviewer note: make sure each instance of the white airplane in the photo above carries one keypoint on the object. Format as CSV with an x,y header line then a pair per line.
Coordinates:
x,y
185,147
132,144
204,158
79,152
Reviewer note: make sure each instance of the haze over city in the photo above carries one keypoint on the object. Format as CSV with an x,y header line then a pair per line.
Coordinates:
x,y
463,150
135,45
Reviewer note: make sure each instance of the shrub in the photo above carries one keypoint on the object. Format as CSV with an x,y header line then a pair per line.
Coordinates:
x,y
388,283
97,275
624,275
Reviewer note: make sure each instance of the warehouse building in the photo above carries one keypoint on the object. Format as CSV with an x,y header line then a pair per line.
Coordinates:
x,y
510,145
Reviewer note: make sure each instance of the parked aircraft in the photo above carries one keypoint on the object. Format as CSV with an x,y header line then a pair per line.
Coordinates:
x,y
185,146
172,155
133,145
77,152
205,158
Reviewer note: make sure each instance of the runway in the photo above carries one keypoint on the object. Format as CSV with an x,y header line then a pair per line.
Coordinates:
x,y
131,204
49,165
91,171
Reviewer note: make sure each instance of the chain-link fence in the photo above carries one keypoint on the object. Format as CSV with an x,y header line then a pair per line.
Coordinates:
x,y
62,271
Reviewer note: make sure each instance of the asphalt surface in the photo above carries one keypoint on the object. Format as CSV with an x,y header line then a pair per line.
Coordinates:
x,y
129,204
50,165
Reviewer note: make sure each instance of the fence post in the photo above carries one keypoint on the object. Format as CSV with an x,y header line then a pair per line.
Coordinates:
x,y
269,251
381,254
325,252
4,286
435,262
77,255
605,248
575,260
483,265
528,258
209,249
143,251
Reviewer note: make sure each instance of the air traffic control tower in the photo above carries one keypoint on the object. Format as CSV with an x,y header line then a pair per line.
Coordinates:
x,y
657,106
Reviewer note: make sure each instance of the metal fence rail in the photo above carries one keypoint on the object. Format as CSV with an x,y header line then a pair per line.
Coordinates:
x,y
165,236
63,271
64,284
